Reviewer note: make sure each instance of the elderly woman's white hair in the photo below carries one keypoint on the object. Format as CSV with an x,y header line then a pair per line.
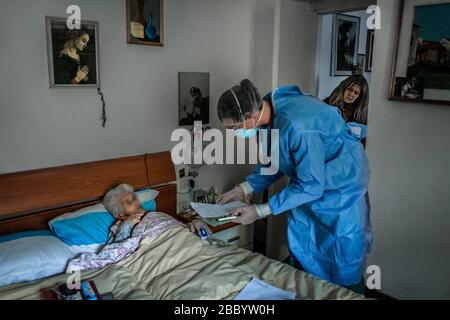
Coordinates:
x,y
111,201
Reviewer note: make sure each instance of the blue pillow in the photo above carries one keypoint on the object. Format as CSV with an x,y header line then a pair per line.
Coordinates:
x,y
147,198
84,230
27,256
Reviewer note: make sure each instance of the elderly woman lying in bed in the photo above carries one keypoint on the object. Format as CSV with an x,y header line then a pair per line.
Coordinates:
x,y
124,205
133,225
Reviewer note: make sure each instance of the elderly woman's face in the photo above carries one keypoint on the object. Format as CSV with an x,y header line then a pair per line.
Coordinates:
x,y
82,42
129,203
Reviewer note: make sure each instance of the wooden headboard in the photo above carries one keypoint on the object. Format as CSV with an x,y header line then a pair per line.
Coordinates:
x,y
29,199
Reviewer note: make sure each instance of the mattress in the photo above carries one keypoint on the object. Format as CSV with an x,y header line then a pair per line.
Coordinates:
x,y
179,265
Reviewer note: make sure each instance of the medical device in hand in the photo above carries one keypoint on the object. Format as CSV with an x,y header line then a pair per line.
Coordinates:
x,y
203,234
226,218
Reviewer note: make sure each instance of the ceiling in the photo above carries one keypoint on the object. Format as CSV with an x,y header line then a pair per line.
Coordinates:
x,y
329,6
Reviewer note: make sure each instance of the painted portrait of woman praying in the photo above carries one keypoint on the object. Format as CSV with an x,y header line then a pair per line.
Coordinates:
x,y
72,54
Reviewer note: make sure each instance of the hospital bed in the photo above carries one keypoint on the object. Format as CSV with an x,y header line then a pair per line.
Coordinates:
x,y
175,265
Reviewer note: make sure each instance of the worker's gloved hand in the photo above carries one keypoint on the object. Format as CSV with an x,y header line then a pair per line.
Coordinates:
x,y
245,215
197,224
249,214
237,194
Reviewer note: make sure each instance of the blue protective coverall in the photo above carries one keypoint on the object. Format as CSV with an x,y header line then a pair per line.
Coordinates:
x,y
329,230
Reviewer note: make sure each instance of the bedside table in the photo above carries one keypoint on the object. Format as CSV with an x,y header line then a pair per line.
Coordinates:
x,y
235,234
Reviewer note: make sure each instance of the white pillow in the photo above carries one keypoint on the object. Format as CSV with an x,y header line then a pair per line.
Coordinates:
x,y
32,255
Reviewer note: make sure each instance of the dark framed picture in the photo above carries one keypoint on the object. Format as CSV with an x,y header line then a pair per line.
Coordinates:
x,y
369,49
344,54
421,64
193,97
200,196
411,89
145,22
72,54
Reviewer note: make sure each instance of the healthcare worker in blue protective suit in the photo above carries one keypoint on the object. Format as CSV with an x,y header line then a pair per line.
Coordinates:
x,y
329,231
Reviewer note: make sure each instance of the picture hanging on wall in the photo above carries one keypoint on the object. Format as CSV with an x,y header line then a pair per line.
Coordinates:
x,y
145,22
193,96
421,64
345,44
369,49
360,64
406,88
72,54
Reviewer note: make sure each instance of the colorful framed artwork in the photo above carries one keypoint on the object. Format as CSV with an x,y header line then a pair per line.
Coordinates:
x,y
421,64
345,44
73,58
145,22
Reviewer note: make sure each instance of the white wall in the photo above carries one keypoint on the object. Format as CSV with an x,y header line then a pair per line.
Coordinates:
x,y
264,45
409,153
297,45
293,64
42,127
328,83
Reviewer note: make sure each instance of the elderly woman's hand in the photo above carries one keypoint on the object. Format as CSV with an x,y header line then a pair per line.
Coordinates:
x,y
197,224
140,212
134,219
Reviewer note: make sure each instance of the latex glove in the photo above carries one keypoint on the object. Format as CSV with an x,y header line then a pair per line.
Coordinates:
x,y
246,215
236,194
197,224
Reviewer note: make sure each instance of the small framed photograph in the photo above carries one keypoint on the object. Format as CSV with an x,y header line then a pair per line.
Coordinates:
x,y
193,97
145,22
200,196
409,88
72,54
345,44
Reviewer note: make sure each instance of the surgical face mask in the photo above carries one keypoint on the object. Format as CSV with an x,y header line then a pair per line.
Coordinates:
x,y
246,133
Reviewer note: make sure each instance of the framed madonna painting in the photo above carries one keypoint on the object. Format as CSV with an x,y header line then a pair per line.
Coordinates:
x,y
72,54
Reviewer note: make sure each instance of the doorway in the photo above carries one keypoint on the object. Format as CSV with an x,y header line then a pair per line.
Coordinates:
x,y
344,50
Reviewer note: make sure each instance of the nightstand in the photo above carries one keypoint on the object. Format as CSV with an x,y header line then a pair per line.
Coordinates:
x,y
235,234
